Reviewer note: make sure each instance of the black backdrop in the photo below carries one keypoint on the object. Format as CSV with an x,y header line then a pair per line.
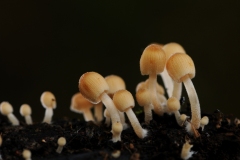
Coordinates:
x,y
49,45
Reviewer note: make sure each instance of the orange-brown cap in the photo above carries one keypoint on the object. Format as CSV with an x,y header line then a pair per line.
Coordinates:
x,y
180,66
153,60
115,83
143,97
92,85
123,100
48,100
172,48
79,103
144,84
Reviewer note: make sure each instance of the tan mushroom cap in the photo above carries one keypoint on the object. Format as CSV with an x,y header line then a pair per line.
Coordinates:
x,y
25,110
144,85
123,100
180,66
173,104
92,85
204,120
6,108
48,100
143,97
61,141
80,103
153,60
172,48
115,83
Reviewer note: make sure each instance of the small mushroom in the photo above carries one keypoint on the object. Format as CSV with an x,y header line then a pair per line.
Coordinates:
x,y
124,102
181,69
26,111
116,131
7,110
48,101
79,104
61,142
27,154
186,151
204,122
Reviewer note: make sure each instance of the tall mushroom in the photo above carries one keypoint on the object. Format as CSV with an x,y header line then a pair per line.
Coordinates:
x,y
48,101
79,104
124,102
94,88
26,111
181,68
152,63
7,110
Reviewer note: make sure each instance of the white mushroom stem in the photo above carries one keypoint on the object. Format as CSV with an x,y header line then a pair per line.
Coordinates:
x,y
177,90
148,113
167,81
98,111
112,110
141,133
158,109
87,115
122,118
48,115
28,119
107,118
195,106
13,119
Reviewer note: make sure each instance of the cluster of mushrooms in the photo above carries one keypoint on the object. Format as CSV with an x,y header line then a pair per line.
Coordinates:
x,y
170,61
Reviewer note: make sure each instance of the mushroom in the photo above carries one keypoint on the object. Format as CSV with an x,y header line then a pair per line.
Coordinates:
x,y
117,128
124,102
61,142
181,69
186,153
79,104
116,83
7,110
143,97
48,101
27,154
204,122
94,88
173,89
152,62
26,111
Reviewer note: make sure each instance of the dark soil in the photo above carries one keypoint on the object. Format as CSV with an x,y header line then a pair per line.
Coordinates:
x,y
89,141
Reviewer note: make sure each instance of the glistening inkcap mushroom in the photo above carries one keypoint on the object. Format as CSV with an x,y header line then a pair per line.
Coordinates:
x,y
181,68
48,101
26,111
124,102
7,110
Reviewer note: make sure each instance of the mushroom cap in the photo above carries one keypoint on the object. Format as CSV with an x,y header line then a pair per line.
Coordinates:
x,y
6,108
153,60
25,110
172,48
123,100
115,83
61,141
92,85
144,85
80,103
173,104
180,66
48,100
26,154
143,97
117,127
204,120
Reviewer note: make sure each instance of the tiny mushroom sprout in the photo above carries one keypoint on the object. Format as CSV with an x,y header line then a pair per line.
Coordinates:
x,y
117,128
204,122
186,153
173,88
152,63
143,97
7,110
181,68
94,88
48,101
61,142
27,154
79,104
124,102
116,83
26,111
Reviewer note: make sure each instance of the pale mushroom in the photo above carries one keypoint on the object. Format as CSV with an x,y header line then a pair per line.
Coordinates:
x,y
61,142
26,111
48,101
7,110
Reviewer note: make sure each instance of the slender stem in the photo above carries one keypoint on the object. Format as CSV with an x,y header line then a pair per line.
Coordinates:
x,y
177,117
98,111
122,118
195,105
167,81
140,132
28,119
87,114
48,115
148,113
13,119
177,90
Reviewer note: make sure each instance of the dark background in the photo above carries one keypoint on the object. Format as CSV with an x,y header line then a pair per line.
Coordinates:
x,y
49,45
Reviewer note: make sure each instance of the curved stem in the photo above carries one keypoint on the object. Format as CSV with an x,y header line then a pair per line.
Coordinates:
x,y
28,119
167,81
177,90
13,119
195,105
98,111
